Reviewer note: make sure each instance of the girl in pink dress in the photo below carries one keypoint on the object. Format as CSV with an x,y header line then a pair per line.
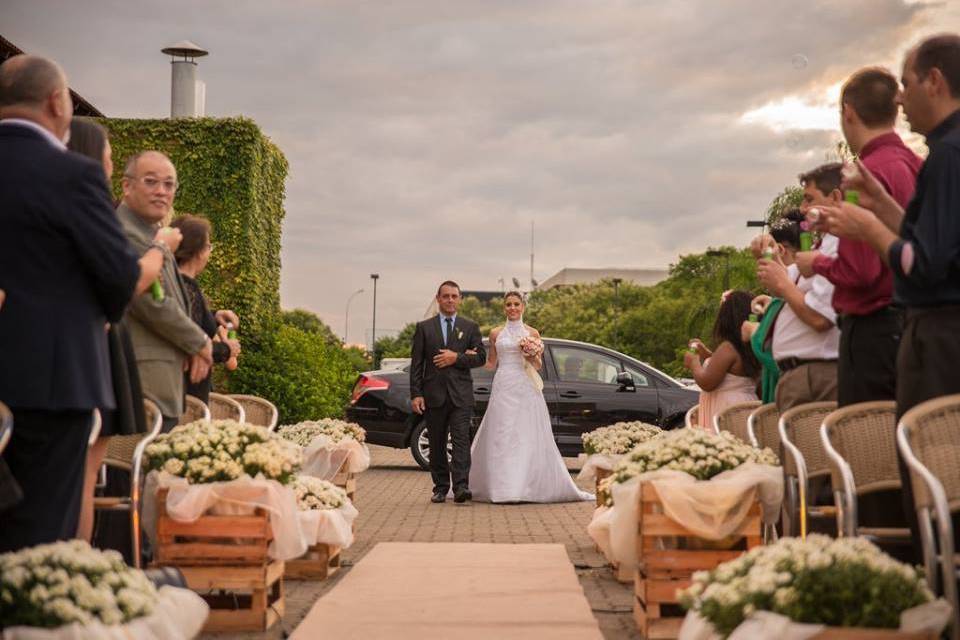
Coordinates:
x,y
727,375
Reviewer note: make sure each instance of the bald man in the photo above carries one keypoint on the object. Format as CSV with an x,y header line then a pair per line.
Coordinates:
x,y
165,338
67,270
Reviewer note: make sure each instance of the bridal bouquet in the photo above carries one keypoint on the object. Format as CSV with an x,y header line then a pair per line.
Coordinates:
x,y
313,493
56,584
618,438
694,451
847,582
223,450
303,433
530,346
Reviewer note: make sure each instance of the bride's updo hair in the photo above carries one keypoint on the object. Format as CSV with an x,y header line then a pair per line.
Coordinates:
x,y
514,294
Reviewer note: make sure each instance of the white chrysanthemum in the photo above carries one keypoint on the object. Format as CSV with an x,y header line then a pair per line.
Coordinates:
x,y
303,433
618,438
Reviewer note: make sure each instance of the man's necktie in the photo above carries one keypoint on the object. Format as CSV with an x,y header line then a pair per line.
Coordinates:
x,y
449,335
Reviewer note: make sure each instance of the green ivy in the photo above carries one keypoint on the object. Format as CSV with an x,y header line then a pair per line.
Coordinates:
x,y
232,174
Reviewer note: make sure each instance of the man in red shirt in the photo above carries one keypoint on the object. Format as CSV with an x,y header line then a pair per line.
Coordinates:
x,y
869,326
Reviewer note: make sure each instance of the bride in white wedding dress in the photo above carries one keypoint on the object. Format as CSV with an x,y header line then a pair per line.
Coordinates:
x,y
514,456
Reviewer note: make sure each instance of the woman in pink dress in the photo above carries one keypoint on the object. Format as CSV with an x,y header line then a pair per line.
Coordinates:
x,y
728,374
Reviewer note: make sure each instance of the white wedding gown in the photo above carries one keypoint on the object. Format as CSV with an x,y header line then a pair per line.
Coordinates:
x,y
514,457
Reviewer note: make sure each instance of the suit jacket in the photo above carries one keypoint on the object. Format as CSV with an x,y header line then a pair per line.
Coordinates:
x,y
454,383
162,332
67,270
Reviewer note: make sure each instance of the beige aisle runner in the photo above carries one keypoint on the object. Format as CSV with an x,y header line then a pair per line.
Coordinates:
x,y
422,590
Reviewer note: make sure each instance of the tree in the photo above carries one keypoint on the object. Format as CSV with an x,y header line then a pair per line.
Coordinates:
x,y
397,346
309,322
787,199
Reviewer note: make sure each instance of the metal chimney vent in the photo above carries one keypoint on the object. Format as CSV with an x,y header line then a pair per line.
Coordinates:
x,y
187,94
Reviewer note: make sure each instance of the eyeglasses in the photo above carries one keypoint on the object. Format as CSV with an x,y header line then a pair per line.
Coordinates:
x,y
152,184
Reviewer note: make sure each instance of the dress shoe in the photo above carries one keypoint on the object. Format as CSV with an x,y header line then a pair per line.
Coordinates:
x,y
462,495
438,496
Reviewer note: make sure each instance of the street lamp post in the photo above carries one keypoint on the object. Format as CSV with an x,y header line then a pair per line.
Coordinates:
x,y
616,308
373,332
346,315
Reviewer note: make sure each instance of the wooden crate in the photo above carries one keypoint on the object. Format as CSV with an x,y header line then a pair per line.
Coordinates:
x,y
241,598
600,475
319,563
668,556
224,559
347,481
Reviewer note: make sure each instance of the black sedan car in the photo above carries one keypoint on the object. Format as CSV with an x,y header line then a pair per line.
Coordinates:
x,y
585,386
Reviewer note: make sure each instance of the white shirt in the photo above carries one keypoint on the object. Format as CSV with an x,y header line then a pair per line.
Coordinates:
x,y
30,124
792,337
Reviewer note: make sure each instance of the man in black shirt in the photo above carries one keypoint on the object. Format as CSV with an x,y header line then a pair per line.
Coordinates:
x,y
922,244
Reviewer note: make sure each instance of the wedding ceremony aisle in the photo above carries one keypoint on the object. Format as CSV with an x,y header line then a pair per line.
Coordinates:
x,y
393,500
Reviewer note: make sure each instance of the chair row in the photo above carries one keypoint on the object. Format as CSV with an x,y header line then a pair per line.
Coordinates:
x,y
856,447
237,407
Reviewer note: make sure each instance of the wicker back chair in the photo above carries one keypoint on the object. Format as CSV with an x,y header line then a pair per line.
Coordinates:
x,y
6,426
194,409
803,458
225,408
762,427
734,419
258,411
126,453
860,441
929,440
693,415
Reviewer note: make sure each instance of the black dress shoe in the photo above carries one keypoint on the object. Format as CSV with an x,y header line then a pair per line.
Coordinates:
x,y
462,495
438,496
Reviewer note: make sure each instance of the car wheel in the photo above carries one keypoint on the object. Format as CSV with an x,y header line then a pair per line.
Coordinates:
x,y
420,446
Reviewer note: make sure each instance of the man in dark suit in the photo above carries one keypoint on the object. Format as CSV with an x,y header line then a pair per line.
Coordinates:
x,y
445,348
67,270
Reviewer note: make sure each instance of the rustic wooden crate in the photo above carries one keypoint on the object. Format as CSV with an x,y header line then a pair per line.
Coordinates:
x,y
347,481
211,540
668,556
241,598
319,563
224,559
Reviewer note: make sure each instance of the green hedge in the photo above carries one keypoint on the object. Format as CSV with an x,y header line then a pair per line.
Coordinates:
x,y
232,174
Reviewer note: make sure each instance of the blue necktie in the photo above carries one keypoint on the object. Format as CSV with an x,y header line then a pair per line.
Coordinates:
x,y
449,333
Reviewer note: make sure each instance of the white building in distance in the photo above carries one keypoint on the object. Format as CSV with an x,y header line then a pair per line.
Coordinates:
x,y
571,276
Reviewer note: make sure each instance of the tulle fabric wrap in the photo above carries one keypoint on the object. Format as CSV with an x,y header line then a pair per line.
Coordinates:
x,y
323,458
179,615
711,509
596,462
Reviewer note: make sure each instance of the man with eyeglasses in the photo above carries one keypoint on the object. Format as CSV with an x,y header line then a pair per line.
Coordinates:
x,y
166,340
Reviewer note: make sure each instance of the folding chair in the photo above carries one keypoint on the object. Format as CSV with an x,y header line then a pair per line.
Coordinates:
x,y
734,419
803,459
126,453
860,441
225,408
693,414
194,409
257,410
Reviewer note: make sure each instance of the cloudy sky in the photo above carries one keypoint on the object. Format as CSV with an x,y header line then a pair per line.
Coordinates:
x,y
425,136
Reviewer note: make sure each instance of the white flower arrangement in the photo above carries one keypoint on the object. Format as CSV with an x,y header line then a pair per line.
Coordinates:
x,y
313,493
303,433
700,453
223,450
618,438
55,584
847,582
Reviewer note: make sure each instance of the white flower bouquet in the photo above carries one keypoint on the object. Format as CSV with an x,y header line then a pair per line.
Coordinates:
x,y
530,346
847,582
303,433
315,494
56,584
694,451
223,450
618,438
